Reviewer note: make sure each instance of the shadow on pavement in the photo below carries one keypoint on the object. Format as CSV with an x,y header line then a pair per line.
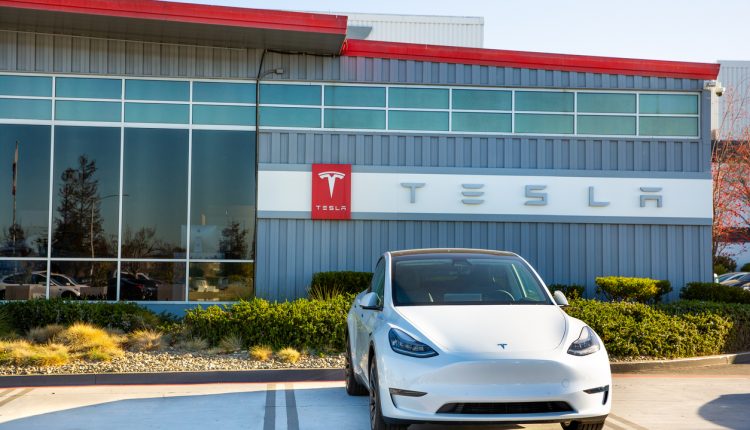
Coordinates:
x,y
728,411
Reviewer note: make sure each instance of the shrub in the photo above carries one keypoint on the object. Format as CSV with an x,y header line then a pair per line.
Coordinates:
x,y
326,285
27,314
620,288
89,342
288,355
572,291
23,353
726,261
230,343
44,334
315,324
738,315
745,267
145,340
261,353
6,327
664,287
719,269
708,291
193,344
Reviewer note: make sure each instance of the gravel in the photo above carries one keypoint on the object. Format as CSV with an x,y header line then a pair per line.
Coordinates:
x,y
176,361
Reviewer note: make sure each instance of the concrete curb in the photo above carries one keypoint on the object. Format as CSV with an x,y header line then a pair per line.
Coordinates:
x,y
683,363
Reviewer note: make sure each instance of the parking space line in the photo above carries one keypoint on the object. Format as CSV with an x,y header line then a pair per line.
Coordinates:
x,y
269,421
292,418
15,396
6,391
627,422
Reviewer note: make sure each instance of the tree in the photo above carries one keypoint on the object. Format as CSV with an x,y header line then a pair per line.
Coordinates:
x,y
15,242
234,246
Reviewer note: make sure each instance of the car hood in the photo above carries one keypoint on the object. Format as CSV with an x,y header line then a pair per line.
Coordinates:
x,y
482,329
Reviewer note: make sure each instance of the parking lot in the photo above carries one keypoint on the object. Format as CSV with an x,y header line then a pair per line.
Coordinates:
x,y
707,398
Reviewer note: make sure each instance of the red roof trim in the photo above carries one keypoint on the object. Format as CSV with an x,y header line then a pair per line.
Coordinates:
x,y
531,60
191,13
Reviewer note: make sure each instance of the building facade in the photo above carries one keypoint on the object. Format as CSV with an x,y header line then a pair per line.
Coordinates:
x,y
143,171
466,31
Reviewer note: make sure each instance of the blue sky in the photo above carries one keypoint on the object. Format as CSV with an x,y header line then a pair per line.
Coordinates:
x,y
687,30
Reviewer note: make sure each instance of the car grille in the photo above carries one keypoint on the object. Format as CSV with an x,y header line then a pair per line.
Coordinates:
x,y
505,408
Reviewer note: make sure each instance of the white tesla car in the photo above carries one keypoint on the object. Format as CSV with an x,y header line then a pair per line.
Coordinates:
x,y
461,335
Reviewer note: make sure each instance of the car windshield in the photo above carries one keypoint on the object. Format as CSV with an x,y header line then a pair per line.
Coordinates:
x,y
464,279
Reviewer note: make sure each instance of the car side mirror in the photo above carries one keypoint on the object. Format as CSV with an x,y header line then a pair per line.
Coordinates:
x,y
370,301
560,299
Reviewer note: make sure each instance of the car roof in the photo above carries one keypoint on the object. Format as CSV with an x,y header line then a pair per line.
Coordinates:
x,y
452,251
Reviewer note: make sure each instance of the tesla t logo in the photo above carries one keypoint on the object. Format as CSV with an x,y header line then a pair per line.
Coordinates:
x,y
502,345
331,191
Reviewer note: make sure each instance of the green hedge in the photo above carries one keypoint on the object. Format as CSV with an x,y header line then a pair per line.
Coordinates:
x,y
708,291
738,315
317,324
326,285
620,288
23,315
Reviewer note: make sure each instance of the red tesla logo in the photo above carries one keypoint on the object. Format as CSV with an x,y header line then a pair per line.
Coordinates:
x,y
331,191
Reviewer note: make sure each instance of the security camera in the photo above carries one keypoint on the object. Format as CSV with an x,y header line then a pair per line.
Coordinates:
x,y
719,91
714,86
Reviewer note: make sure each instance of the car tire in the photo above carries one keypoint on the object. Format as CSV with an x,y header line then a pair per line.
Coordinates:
x,y
377,422
577,425
353,387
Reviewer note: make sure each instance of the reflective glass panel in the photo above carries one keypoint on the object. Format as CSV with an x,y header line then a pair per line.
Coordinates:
x,y
481,100
606,125
25,109
223,92
155,112
481,121
354,96
668,126
155,188
544,101
86,280
29,198
353,118
149,281
223,195
606,103
223,115
289,94
415,120
290,117
35,86
221,282
177,91
539,123
428,98
85,192
23,279
669,103
88,88
87,111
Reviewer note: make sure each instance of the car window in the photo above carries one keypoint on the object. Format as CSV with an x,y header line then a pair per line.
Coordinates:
x,y
377,285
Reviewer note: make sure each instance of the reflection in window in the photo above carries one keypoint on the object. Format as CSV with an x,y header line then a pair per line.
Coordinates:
x,y
24,193
86,280
149,281
221,281
23,279
223,195
86,191
154,212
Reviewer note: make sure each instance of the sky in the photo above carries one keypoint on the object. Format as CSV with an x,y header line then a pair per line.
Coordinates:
x,y
683,30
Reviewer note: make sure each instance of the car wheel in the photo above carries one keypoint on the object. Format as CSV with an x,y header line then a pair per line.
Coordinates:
x,y
353,387
577,425
376,414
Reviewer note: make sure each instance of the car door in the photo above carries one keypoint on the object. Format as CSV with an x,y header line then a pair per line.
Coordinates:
x,y
366,318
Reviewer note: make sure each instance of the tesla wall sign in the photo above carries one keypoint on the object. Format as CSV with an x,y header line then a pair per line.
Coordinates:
x,y
331,191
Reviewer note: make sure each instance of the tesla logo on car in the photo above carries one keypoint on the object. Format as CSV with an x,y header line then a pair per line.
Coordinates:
x,y
331,191
502,345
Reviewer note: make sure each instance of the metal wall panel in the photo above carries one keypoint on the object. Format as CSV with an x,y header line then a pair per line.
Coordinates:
x,y
290,251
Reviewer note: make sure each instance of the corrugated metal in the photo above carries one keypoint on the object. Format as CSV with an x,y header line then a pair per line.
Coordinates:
x,y
733,117
562,253
431,30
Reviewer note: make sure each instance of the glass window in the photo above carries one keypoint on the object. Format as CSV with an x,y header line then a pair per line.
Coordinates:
x,y
354,118
221,281
290,117
25,109
414,120
27,188
157,113
668,126
539,123
606,103
35,86
87,280
223,92
88,88
427,98
481,100
223,195
289,94
606,125
544,101
23,279
87,111
223,115
481,121
150,281
154,211
85,192
377,285
669,103
354,96
177,91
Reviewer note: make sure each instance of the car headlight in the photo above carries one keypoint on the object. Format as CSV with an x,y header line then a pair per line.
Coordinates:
x,y
586,343
402,343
